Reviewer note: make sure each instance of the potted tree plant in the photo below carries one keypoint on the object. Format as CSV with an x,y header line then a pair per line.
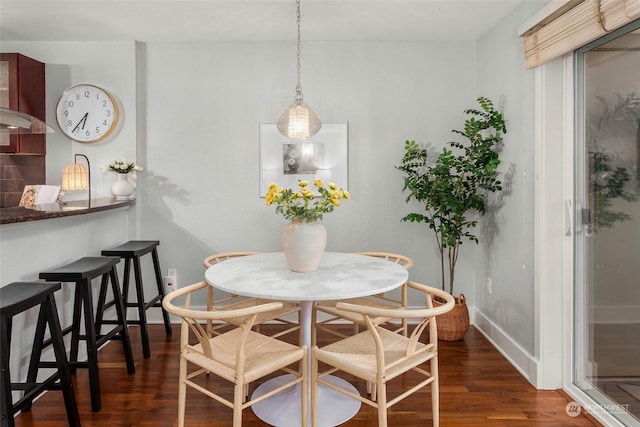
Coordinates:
x,y
451,188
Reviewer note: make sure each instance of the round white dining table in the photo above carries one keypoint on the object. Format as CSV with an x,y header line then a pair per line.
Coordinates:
x,y
340,276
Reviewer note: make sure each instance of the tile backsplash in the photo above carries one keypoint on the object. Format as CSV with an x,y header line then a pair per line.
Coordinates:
x,y
16,171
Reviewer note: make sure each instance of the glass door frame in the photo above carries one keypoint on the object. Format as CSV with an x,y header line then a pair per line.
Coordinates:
x,y
594,400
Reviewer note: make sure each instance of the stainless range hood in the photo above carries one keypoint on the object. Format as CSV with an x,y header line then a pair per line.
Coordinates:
x,y
14,122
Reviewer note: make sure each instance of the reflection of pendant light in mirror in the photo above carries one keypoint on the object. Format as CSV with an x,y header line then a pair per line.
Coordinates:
x,y
12,121
298,121
76,177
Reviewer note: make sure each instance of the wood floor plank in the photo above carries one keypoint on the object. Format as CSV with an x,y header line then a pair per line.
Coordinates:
x,y
478,387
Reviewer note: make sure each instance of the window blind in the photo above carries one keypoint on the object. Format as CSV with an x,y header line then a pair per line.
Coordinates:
x,y
582,23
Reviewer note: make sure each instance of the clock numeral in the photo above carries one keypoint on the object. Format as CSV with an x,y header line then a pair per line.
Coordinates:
x,y
86,93
77,97
105,123
104,103
87,133
108,113
70,104
97,130
66,113
69,123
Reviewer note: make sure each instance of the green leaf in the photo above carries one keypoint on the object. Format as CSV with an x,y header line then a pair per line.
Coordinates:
x,y
454,184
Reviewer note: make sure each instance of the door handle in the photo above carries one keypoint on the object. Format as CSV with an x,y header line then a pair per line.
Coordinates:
x,y
568,217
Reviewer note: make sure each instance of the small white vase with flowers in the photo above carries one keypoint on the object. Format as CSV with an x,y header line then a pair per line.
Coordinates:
x,y
124,169
304,238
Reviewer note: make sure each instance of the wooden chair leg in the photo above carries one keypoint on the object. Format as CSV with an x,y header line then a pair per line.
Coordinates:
x,y
238,398
314,392
305,391
435,392
182,391
314,319
382,403
209,307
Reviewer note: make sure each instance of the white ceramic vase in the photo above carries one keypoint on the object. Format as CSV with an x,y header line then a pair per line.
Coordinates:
x,y
303,244
122,189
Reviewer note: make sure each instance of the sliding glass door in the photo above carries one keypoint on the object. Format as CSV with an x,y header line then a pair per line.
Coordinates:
x,y
607,243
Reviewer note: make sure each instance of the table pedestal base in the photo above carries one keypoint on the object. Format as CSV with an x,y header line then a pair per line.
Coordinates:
x,y
283,409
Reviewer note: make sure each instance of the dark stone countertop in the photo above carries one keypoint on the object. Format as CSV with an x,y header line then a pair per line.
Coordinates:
x,y
59,210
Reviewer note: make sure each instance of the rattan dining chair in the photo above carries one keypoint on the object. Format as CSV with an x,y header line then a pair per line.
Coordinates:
x,y
239,355
383,300
379,355
234,301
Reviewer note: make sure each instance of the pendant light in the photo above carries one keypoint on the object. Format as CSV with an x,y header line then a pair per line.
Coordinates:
x,y
298,121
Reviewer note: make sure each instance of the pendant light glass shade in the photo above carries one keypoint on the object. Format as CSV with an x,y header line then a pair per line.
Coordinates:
x,y
298,121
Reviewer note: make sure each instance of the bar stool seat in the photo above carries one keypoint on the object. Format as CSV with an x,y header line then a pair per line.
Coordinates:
x,y
133,250
81,272
16,298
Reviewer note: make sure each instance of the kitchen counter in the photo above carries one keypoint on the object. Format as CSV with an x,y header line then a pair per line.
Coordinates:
x,y
59,210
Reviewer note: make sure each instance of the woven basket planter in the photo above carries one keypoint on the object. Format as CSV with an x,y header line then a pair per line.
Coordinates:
x,y
454,324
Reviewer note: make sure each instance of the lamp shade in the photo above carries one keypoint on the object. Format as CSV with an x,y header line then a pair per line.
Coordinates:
x,y
298,121
75,177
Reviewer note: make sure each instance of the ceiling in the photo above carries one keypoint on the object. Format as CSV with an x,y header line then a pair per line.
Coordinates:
x,y
249,20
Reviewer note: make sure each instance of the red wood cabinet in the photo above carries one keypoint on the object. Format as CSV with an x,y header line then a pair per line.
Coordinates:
x,y
22,88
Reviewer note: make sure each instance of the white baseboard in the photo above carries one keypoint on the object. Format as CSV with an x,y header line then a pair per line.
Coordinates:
x,y
524,362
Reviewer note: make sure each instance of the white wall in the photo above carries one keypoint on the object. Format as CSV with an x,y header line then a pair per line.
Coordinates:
x,y
204,105
28,248
506,314
197,138
107,64
194,111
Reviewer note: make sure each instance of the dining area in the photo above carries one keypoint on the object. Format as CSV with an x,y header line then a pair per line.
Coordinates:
x,y
304,396
298,337
202,98
305,279
478,387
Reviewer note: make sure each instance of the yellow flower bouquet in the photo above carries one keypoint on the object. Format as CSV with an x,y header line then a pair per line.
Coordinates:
x,y
302,204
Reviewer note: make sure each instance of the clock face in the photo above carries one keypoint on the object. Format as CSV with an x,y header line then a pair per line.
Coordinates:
x,y
87,113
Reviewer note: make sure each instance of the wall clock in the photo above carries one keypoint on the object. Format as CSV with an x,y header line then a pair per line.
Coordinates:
x,y
87,113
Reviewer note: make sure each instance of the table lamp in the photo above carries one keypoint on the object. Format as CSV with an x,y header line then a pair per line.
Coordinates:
x,y
76,177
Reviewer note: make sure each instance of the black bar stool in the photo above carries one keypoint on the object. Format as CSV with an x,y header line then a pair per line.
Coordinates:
x,y
133,250
16,298
81,272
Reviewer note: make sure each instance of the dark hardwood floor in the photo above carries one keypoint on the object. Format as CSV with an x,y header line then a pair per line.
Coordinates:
x,y
478,387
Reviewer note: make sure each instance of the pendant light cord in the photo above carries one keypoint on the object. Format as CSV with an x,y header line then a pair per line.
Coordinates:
x,y
299,86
